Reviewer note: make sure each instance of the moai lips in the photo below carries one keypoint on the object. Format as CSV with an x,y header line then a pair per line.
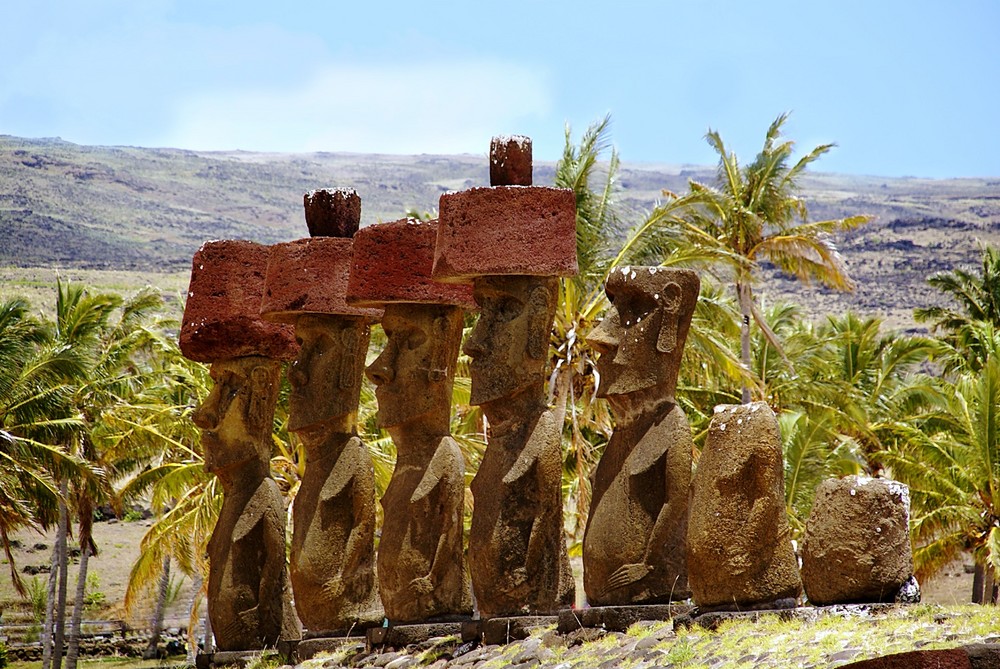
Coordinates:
x,y
221,316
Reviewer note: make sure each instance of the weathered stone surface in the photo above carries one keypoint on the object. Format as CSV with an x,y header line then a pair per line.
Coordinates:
x,y
332,212
952,658
221,315
634,545
513,628
510,160
310,276
506,230
517,553
392,263
739,548
857,544
421,565
617,618
333,537
248,599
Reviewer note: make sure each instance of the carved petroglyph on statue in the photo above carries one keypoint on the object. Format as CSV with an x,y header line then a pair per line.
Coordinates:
x,y
333,516
635,542
248,599
740,552
512,243
421,565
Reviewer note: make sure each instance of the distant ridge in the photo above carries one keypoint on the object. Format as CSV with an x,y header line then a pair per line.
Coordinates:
x,y
130,208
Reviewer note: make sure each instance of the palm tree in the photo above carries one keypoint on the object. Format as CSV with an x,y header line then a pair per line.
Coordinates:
x,y
977,300
754,214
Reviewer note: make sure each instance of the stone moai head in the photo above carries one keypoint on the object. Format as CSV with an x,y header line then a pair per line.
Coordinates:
x,y
221,326
423,318
641,338
511,241
306,285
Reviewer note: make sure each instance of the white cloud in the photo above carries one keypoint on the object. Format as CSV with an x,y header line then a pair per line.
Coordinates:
x,y
423,107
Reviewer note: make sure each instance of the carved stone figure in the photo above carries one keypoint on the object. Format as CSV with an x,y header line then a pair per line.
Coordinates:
x,y
512,242
333,517
740,552
421,565
248,600
635,542
857,542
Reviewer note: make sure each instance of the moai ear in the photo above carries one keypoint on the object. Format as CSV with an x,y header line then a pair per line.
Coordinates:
x,y
438,371
538,323
260,396
348,365
670,306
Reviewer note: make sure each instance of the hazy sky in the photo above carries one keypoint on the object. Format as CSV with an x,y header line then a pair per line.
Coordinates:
x,y
903,87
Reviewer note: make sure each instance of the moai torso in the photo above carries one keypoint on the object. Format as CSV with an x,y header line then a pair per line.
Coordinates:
x,y
739,543
634,545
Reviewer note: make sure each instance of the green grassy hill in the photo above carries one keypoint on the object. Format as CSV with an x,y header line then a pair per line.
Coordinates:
x,y
122,216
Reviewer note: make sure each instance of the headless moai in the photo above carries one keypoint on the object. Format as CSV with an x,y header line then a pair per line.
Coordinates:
x,y
248,599
333,517
635,542
740,553
512,242
857,547
421,563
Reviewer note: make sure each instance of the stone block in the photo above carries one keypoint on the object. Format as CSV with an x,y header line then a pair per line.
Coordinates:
x,y
332,212
222,314
503,630
506,230
857,543
952,658
618,618
392,262
309,276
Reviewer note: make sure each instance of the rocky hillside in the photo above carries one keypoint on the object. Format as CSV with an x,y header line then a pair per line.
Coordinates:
x,y
148,210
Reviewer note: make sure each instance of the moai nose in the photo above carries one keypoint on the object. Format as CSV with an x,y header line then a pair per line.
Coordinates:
x,y
205,416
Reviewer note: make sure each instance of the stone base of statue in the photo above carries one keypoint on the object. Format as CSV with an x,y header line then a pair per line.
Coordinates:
x,y
505,629
618,618
400,636
239,658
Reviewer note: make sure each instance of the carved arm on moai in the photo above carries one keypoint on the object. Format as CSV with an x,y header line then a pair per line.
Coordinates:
x,y
512,241
644,475
248,597
333,517
421,566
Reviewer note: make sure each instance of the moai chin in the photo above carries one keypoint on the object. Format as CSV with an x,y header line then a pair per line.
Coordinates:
x,y
421,566
635,542
333,517
740,553
248,599
512,242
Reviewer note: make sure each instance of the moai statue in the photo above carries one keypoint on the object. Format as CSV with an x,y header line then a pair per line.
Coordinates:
x,y
333,516
248,599
513,243
740,553
421,563
634,545
856,547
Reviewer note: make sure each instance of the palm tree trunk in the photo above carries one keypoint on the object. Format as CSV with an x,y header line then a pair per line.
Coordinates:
x,y
193,620
746,300
73,650
62,531
50,602
156,624
978,576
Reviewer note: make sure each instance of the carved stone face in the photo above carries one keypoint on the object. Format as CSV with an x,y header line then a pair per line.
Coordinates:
x,y
326,375
641,338
509,344
236,417
415,371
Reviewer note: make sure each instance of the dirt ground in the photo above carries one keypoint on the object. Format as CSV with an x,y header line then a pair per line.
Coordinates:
x,y
118,542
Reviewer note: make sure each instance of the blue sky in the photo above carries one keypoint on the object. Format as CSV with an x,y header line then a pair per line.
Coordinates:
x,y
903,88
